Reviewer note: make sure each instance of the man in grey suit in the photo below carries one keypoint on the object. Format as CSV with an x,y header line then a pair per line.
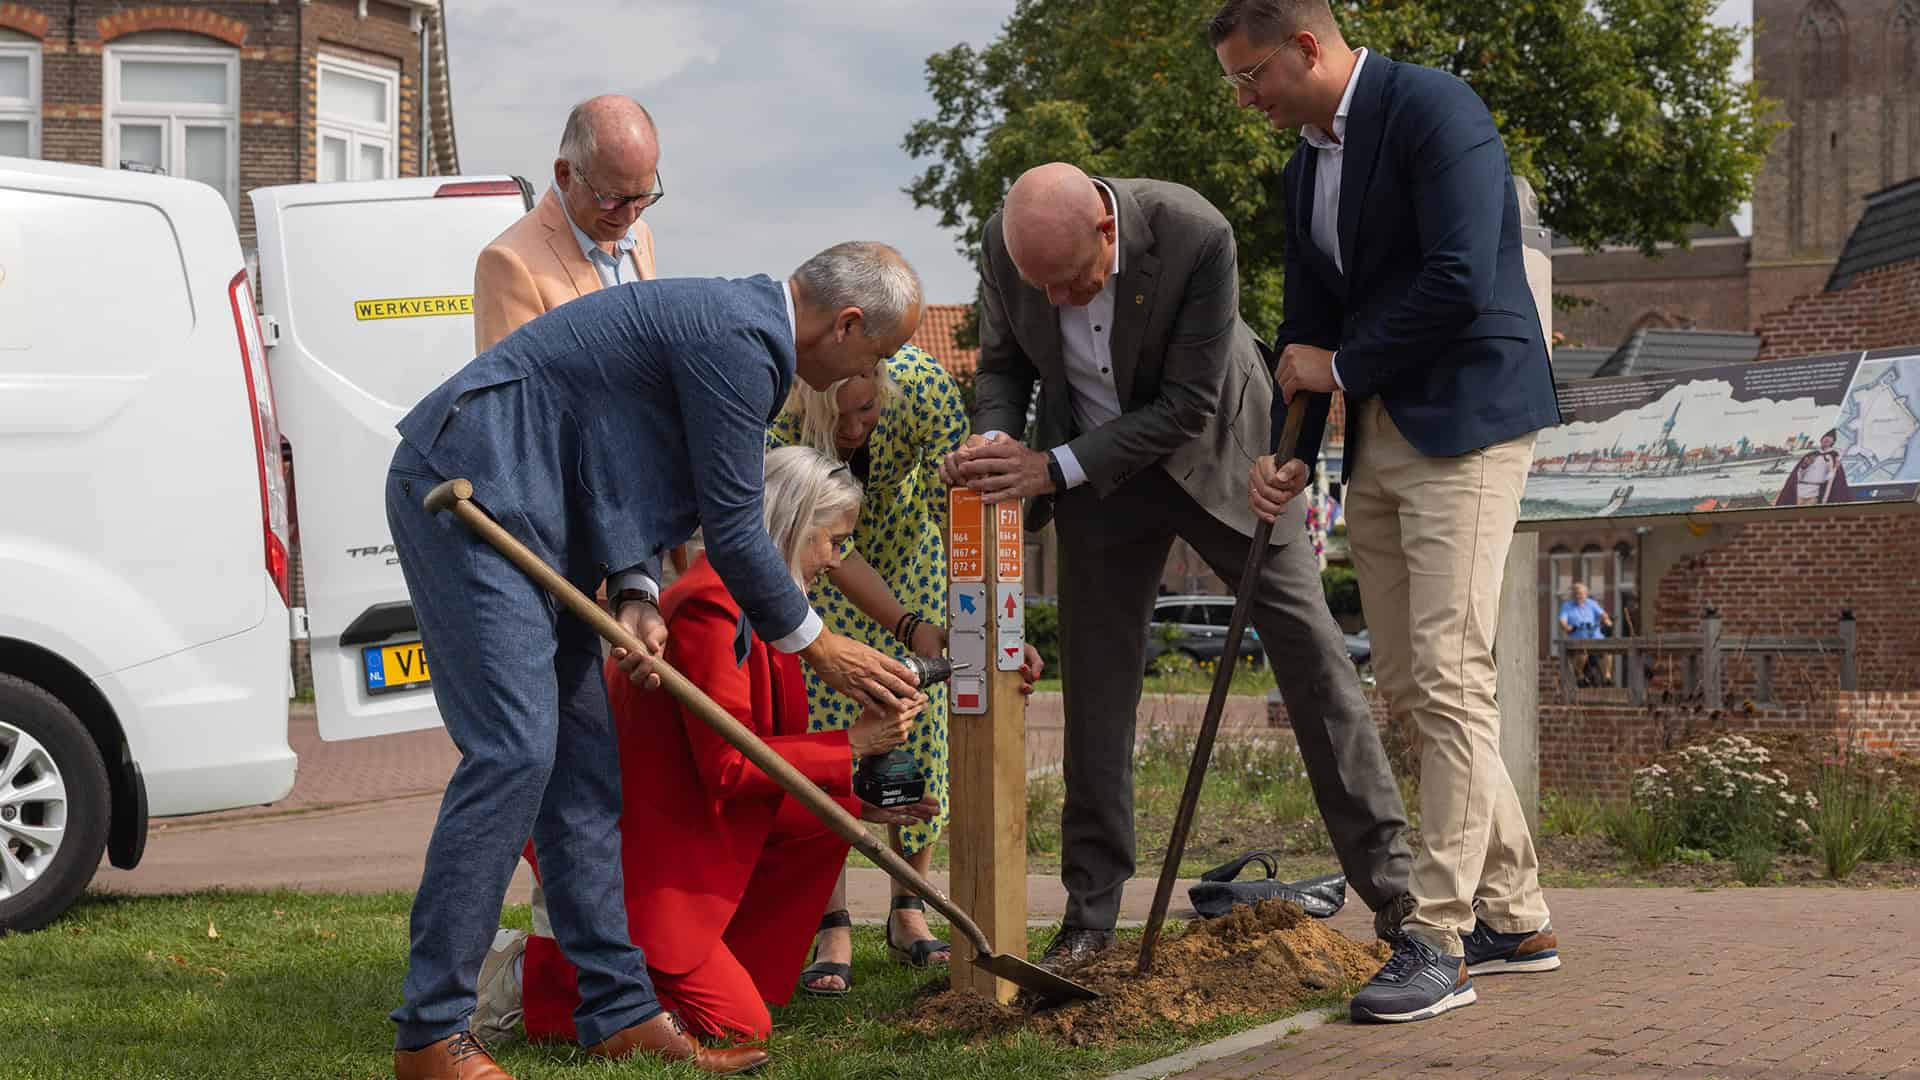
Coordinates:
x,y
1120,298
600,434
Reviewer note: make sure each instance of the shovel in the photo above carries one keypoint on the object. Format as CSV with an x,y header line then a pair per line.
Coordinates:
x,y
1216,702
457,496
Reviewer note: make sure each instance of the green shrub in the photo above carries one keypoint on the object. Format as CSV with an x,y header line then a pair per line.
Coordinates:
x,y
1753,855
1647,835
1853,817
1563,815
1717,794
1342,587
1043,632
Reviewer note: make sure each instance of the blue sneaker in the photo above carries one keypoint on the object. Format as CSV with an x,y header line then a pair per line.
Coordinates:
x,y
1490,952
1417,983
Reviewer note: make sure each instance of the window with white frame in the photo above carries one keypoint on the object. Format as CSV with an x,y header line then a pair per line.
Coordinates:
x,y
359,106
177,109
19,99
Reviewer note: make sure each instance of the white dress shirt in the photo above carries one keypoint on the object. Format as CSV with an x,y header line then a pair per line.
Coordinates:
x,y
1330,151
1086,346
810,627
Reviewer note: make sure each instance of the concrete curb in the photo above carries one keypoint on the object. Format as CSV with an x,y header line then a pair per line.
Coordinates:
x,y
1227,1047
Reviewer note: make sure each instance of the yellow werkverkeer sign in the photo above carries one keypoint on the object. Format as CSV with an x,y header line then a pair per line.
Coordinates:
x,y
413,307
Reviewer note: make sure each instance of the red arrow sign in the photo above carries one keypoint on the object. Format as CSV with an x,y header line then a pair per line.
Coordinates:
x,y
1010,650
1010,606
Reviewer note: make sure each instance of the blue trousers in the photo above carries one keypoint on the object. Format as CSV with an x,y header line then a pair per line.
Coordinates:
x,y
518,683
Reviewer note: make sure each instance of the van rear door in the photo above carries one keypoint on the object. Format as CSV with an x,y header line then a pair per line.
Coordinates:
x,y
366,290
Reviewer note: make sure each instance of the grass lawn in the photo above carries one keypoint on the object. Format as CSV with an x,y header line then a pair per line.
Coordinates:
x,y
1256,797
287,985
1191,678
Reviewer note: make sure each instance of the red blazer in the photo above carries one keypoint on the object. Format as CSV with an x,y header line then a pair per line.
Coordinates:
x,y
697,812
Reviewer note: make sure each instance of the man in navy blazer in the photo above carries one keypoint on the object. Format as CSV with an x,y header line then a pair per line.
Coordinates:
x,y
601,434
1406,289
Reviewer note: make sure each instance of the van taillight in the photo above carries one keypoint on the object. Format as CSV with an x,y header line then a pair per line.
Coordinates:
x,y
266,433
477,187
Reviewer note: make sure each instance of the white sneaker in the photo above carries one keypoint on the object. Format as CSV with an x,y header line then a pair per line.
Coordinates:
x,y
497,1012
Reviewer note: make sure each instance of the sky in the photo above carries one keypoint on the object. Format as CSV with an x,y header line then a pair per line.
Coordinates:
x,y
780,120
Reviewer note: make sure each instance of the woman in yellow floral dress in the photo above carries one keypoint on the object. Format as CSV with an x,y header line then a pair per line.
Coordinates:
x,y
891,427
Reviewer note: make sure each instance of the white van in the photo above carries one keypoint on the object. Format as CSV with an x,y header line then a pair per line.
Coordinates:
x,y
145,516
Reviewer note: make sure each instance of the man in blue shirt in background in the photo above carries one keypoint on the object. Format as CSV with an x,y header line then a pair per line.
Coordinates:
x,y
1583,619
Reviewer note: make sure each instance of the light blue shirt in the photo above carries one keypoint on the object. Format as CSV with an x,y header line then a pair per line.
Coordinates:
x,y
614,269
1583,618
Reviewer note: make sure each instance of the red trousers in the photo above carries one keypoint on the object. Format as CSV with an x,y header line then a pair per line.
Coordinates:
x,y
756,961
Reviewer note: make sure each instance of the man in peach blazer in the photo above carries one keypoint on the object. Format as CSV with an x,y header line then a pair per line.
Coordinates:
x,y
586,233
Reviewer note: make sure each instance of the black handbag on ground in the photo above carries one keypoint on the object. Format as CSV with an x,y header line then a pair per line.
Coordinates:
x,y
1217,891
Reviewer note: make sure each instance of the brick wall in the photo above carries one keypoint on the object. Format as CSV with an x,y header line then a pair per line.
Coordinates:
x,y
1878,309
1704,288
1795,576
1593,748
276,42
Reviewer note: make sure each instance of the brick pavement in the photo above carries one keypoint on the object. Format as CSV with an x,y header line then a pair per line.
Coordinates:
x,y
1668,983
356,771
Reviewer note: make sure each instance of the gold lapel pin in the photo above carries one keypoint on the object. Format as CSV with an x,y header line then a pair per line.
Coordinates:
x,y
1139,298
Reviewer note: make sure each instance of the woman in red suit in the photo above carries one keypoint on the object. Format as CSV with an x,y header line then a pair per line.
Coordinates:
x,y
726,876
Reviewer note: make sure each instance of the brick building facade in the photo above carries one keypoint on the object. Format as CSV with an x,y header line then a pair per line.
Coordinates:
x,y
236,93
1847,76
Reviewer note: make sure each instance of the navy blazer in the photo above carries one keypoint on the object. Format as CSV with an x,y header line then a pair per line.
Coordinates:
x,y
602,432
1433,314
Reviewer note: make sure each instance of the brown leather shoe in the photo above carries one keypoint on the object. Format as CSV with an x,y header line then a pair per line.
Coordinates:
x,y
456,1057
664,1037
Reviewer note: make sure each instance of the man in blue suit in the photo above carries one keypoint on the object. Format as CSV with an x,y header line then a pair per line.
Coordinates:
x,y
601,434
1406,289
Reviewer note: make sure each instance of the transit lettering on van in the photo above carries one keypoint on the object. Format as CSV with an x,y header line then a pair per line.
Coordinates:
x,y
413,307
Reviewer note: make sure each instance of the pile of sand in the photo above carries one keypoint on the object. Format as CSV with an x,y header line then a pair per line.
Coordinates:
x,y
1256,960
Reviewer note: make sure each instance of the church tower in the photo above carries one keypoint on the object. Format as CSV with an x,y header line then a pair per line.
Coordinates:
x,y
1847,75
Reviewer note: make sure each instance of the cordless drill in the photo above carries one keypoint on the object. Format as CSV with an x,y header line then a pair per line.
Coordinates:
x,y
892,778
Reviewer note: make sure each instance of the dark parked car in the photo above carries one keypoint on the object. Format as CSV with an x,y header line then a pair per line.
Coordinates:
x,y
1201,625
1201,622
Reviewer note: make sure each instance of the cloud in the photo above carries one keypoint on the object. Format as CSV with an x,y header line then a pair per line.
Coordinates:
x,y
780,122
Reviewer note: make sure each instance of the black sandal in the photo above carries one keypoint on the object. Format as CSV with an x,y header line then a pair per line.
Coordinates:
x,y
917,954
820,969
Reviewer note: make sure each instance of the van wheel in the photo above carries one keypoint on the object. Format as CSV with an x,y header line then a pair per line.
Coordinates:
x,y
54,805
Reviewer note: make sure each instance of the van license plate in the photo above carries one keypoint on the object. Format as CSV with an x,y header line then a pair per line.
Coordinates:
x,y
402,666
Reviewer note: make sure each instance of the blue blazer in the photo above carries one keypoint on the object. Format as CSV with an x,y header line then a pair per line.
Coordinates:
x,y
1434,314
602,432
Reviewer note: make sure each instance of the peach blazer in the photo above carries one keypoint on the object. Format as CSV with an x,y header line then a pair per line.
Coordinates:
x,y
536,266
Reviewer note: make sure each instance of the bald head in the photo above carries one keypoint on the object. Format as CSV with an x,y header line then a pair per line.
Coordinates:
x,y
609,149
1060,233
611,124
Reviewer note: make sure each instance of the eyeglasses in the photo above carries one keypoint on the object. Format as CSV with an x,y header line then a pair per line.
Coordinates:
x,y
1244,80
621,202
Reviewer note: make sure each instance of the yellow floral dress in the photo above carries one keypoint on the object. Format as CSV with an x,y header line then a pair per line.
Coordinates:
x,y
900,535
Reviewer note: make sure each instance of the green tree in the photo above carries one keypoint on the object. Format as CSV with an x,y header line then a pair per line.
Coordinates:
x,y
1625,115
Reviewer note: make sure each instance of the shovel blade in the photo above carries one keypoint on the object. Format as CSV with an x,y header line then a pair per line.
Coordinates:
x,y
1046,984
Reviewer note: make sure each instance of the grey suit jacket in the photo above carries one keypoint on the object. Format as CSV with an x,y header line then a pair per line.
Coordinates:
x,y
1195,391
602,432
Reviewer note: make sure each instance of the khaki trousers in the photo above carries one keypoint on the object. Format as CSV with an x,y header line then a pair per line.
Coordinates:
x,y
1429,538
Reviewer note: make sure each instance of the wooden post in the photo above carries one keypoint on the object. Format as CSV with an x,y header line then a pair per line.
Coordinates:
x,y
987,734
1636,673
1516,643
1516,655
1710,659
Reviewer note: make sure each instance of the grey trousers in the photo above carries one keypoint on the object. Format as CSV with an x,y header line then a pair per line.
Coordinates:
x,y
1112,552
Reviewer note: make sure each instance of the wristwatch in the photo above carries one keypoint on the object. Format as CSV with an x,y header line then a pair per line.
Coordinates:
x,y
632,596
1055,473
